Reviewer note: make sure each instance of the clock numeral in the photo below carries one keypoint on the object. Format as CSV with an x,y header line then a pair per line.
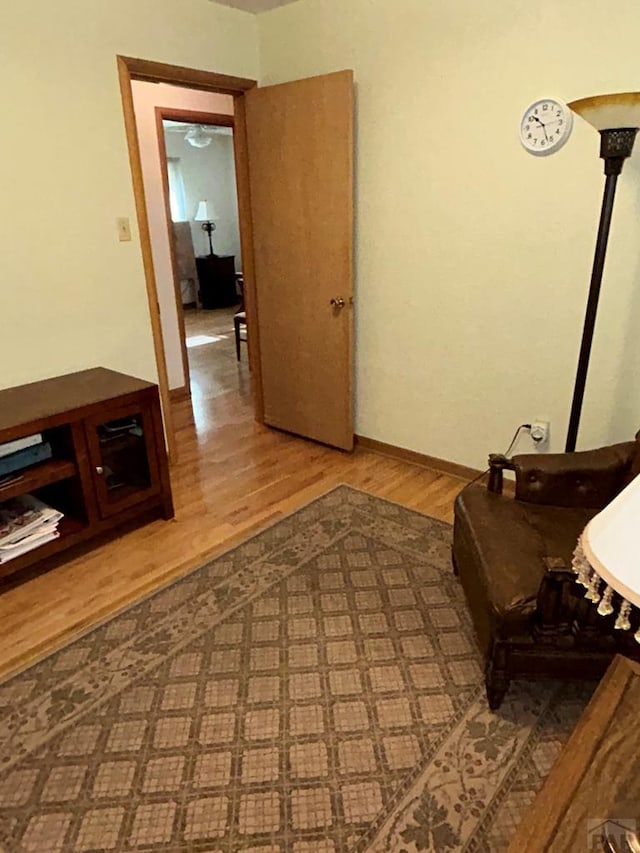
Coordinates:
x,y
536,111
528,136
545,107
542,142
559,113
558,132
527,127
561,121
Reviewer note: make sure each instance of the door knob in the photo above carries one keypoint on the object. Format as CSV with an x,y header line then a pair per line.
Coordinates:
x,y
337,302
99,469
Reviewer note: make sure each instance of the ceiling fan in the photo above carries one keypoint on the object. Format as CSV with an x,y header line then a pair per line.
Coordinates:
x,y
198,135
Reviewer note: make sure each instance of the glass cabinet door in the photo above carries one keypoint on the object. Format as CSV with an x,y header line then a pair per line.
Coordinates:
x,y
123,453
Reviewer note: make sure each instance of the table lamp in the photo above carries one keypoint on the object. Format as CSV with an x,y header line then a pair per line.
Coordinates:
x,y
206,214
607,559
617,118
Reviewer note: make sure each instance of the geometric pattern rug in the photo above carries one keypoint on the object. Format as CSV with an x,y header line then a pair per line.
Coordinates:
x,y
317,689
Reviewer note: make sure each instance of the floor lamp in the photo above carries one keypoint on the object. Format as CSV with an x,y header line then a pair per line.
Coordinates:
x,y
617,118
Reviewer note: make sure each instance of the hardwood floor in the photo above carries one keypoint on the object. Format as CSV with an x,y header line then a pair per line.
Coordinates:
x,y
232,477
213,365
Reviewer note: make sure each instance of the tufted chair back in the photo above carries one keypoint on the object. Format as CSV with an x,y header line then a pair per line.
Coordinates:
x,y
589,478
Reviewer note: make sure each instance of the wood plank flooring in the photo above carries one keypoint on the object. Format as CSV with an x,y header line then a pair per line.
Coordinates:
x,y
232,478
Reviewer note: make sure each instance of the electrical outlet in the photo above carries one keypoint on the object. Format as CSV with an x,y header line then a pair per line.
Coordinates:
x,y
540,431
124,229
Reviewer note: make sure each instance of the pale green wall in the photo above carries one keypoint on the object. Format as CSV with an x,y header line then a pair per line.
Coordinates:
x,y
71,295
473,257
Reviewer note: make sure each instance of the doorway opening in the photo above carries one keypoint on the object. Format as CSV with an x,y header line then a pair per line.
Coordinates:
x,y
154,221
197,159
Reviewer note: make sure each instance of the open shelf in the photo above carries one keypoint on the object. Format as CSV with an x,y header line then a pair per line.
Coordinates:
x,y
71,530
42,474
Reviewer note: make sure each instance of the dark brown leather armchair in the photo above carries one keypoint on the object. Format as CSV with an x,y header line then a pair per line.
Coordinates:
x,y
513,556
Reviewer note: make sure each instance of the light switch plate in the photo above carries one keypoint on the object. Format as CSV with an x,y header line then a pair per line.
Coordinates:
x,y
124,229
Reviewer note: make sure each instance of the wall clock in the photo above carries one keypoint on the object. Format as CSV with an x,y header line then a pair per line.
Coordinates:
x,y
545,126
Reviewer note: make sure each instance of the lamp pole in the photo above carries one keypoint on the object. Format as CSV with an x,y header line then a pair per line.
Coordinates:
x,y
615,146
209,227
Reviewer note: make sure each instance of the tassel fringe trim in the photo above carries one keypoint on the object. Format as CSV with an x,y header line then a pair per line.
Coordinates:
x,y
591,581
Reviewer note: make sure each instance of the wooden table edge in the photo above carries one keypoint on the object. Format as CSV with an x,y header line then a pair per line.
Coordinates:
x,y
537,831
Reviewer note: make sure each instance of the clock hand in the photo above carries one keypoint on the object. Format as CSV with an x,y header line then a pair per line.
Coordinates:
x,y
542,125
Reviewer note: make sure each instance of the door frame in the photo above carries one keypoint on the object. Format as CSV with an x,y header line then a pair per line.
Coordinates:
x,y
192,117
131,68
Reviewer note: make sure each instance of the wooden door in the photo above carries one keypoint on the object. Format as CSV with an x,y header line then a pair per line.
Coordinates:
x,y
300,144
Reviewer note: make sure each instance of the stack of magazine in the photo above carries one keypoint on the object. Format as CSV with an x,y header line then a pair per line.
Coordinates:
x,y
26,523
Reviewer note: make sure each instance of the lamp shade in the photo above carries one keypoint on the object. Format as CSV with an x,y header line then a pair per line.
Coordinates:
x,y
607,112
206,212
611,543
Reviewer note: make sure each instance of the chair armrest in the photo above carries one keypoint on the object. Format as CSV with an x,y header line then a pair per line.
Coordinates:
x,y
557,570
589,479
555,605
498,463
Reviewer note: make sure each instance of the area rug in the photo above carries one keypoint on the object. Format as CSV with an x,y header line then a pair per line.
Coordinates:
x,y
315,690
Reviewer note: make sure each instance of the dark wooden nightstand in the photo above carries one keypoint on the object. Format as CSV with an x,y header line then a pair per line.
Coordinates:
x,y
217,277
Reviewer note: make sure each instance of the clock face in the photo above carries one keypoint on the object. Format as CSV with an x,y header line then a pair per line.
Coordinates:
x,y
545,126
